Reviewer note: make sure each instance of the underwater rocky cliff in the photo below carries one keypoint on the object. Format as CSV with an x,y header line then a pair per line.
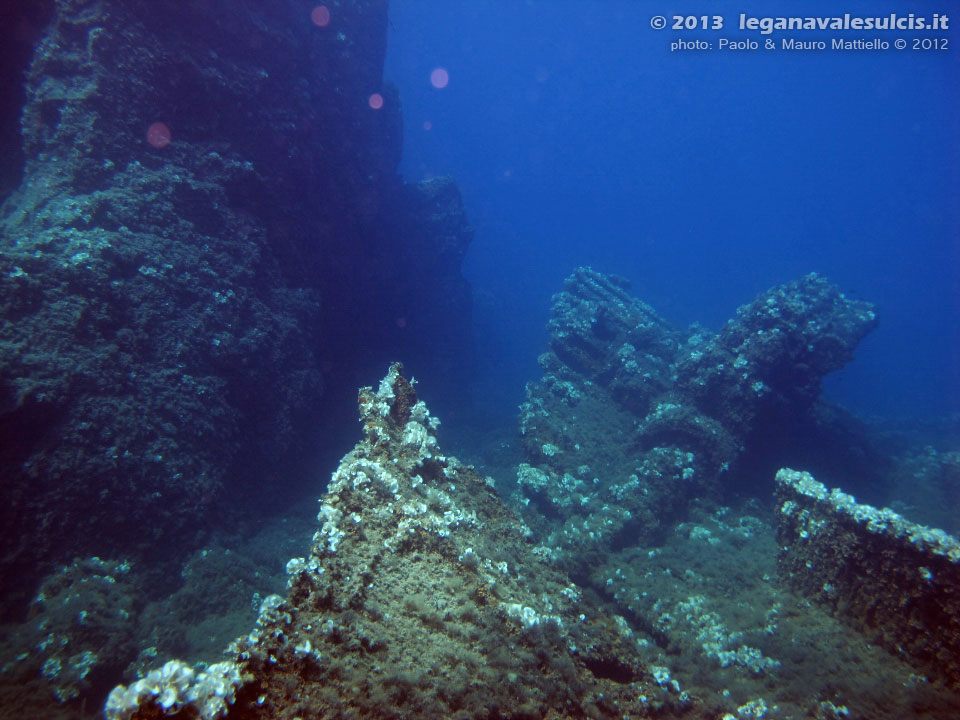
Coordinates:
x,y
196,251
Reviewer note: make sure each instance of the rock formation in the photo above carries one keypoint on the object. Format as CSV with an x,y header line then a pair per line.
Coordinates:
x,y
206,232
634,418
421,597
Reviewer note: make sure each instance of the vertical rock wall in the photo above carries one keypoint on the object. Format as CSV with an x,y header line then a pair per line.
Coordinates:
x,y
209,238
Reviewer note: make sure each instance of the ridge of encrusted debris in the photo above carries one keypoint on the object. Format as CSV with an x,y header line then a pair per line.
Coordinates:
x,y
633,417
883,521
895,581
421,596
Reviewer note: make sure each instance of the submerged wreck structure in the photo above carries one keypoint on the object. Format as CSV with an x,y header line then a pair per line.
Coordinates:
x,y
634,418
421,597
891,579
650,456
160,257
425,593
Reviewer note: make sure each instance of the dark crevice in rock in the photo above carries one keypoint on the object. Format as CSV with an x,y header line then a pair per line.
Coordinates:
x,y
610,668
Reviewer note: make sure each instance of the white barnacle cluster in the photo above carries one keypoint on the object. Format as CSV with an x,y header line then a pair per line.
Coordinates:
x,y
936,540
271,611
715,640
420,414
663,410
627,357
385,394
802,482
754,709
305,649
298,566
549,449
436,513
359,475
807,524
362,474
747,657
661,457
623,627
527,616
272,620
592,528
534,479
661,676
832,711
887,522
570,484
632,486
403,495
329,518
530,414
380,403
469,559
174,688
699,532
418,437
564,389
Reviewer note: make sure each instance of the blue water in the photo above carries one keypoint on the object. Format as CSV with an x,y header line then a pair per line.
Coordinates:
x,y
577,137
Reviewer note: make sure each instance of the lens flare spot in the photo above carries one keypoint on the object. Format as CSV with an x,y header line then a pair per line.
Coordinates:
x,y
320,16
158,135
439,78
375,101
427,125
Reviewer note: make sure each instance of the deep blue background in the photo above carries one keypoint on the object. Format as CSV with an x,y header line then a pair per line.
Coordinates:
x,y
577,137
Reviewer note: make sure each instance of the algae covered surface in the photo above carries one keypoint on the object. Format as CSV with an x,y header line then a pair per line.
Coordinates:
x,y
425,595
606,465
